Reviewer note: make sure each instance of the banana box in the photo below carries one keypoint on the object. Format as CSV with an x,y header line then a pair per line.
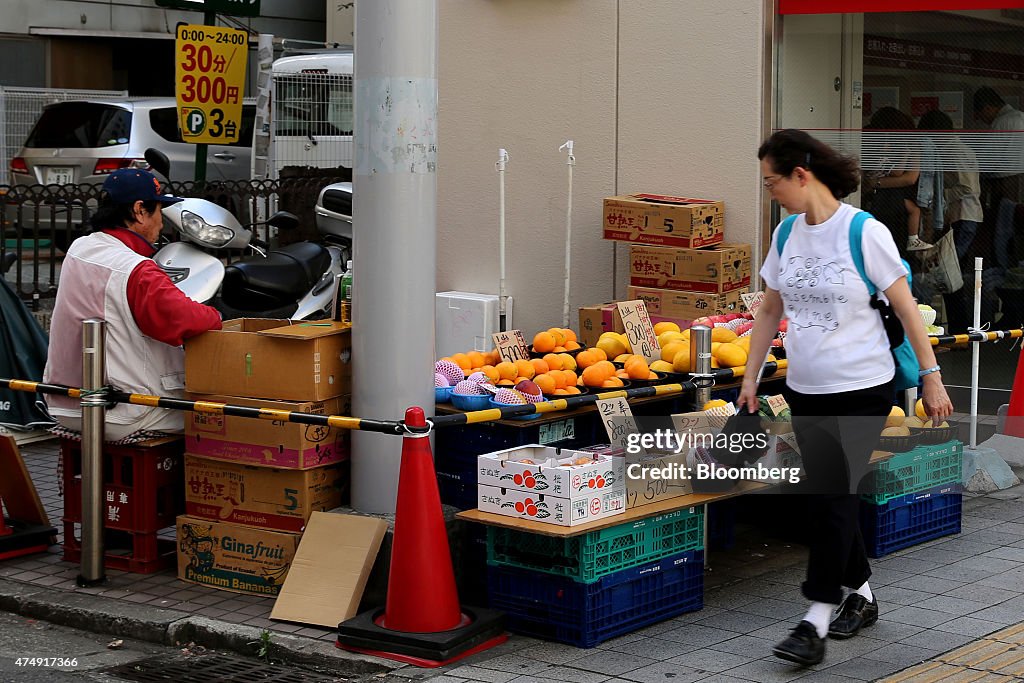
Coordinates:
x,y
233,557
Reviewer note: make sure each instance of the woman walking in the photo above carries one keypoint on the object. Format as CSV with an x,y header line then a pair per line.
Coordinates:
x,y
839,381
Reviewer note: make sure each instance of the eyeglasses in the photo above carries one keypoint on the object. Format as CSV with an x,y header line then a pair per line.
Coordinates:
x,y
770,181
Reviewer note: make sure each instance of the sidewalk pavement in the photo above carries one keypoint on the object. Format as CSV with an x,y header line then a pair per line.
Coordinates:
x,y
934,598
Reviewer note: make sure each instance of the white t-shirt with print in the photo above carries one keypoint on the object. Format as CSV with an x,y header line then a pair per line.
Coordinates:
x,y
835,341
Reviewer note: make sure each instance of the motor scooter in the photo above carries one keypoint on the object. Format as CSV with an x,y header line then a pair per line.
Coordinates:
x,y
296,281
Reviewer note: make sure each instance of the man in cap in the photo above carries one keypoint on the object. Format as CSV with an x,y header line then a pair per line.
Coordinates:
x,y
110,274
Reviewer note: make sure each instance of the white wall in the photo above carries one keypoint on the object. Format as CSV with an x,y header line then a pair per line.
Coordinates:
x,y
658,96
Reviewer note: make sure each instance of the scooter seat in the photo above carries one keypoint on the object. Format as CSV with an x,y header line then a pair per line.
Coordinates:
x,y
286,273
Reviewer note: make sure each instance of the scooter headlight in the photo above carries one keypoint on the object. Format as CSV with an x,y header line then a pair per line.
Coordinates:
x,y
199,230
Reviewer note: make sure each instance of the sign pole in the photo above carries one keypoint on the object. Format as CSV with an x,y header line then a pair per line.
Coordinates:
x,y
209,19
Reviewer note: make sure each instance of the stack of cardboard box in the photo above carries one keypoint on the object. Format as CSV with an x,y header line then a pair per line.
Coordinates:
x,y
252,484
678,263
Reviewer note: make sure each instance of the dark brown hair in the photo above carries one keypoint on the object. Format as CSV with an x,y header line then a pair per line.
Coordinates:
x,y
788,149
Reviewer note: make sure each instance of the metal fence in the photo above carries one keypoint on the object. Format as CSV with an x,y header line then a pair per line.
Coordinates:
x,y
40,222
312,120
19,109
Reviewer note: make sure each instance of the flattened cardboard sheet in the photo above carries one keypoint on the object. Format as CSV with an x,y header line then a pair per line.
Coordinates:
x,y
330,569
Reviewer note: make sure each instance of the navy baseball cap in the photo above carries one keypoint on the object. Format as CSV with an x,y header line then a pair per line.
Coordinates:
x,y
129,185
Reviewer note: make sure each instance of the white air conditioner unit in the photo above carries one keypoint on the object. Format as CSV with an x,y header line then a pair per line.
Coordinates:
x,y
465,321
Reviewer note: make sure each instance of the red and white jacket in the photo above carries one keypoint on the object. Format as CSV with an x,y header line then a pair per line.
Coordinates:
x,y
110,275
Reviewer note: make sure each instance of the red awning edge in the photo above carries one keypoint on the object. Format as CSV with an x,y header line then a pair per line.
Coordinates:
x,y
856,6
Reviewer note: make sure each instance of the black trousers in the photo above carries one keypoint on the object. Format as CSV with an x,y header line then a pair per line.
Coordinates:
x,y
836,434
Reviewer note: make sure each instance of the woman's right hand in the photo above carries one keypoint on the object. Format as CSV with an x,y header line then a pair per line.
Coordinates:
x,y
748,395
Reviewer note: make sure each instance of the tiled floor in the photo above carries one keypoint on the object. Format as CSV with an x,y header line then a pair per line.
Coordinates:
x,y
934,598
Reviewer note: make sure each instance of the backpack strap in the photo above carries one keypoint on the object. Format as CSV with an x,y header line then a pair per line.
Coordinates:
x,y
785,228
856,247
857,250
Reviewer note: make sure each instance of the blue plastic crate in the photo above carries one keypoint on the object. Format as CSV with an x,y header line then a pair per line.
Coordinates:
x,y
585,614
721,517
455,493
911,519
468,441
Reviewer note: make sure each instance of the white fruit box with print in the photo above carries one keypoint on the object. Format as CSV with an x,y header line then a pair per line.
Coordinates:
x,y
551,471
538,507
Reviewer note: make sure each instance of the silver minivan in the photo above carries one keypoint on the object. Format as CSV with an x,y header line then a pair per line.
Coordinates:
x,y
84,140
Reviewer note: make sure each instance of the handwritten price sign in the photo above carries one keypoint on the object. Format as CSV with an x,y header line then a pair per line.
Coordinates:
x,y
776,404
209,73
511,345
618,420
639,330
752,301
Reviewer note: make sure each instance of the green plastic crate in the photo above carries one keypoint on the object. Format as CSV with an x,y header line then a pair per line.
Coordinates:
x,y
917,470
588,557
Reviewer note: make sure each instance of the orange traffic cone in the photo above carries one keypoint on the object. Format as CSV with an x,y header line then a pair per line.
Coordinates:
x,y
1015,412
422,622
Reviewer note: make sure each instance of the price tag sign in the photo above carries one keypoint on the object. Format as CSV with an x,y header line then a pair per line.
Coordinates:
x,y
752,301
511,345
639,329
618,420
209,74
776,404
553,432
691,423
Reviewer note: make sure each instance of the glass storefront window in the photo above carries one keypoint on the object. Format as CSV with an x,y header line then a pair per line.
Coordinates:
x,y
931,100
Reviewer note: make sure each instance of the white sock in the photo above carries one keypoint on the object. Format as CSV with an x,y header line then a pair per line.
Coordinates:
x,y
865,592
820,614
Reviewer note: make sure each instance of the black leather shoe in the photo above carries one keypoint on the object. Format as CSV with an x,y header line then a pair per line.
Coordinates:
x,y
802,645
854,614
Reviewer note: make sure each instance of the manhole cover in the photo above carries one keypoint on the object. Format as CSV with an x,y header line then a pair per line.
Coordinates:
x,y
212,668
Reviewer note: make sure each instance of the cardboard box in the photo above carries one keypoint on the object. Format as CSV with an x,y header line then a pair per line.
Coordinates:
x,y
232,557
275,359
664,220
330,569
260,496
551,471
688,305
722,269
538,507
269,443
600,318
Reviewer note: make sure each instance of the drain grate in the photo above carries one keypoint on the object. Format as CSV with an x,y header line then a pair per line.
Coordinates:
x,y
212,668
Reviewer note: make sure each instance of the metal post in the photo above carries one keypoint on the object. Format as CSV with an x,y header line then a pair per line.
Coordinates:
x,y
209,19
976,353
394,202
700,361
94,412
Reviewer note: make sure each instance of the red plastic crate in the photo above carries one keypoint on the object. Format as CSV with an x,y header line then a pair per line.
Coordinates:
x,y
143,484
140,553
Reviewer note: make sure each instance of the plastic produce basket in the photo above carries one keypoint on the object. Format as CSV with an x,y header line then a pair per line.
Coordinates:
x,y
585,614
933,436
590,556
898,444
911,519
922,468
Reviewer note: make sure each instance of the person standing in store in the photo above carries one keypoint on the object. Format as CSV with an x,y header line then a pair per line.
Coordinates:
x,y
110,275
1004,189
840,369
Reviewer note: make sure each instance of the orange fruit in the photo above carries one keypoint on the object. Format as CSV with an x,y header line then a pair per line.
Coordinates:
x,y
637,369
544,342
601,355
730,356
494,357
665,327
585,359
622,374
559,377
462,360
559,334
606,367
505,383
561,392
571,345
669,351
546,383
570,336
539,366
491,372
570,377
681,362
568,362
507,370
559,349
612,382
573,390
525,369
554,361
476,359
593,376
519,379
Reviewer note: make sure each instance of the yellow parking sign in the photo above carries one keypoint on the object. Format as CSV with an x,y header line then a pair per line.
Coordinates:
x,y
210,82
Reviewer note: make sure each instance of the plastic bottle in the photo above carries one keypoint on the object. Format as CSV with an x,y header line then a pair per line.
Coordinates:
x,y
346,294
